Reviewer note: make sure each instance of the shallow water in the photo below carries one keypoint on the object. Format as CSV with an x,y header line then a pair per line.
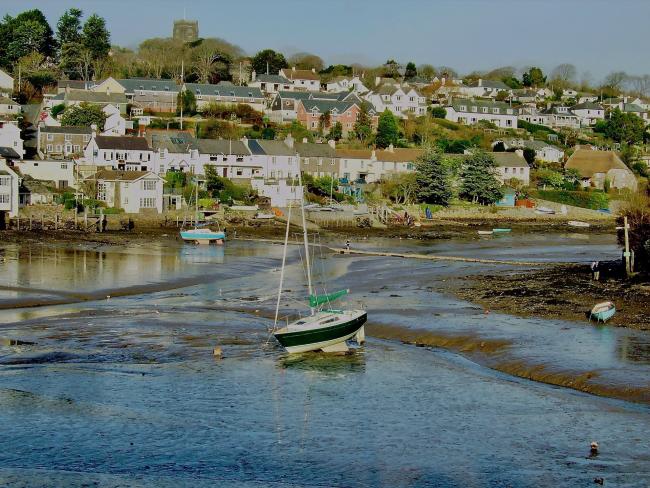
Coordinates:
x,y
124,391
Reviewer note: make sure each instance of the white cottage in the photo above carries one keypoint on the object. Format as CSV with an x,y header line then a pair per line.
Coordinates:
x,y
9,199
121,153
133,191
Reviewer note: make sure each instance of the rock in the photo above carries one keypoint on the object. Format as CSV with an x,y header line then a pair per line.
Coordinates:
x,y
216,352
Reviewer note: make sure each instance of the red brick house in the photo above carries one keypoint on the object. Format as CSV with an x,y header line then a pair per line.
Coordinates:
x,y
309,113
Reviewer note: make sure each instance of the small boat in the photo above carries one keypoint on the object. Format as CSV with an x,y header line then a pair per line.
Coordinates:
x,y
264,216
501,231
485,232
578,223
603,311
544,210
325,328
203,236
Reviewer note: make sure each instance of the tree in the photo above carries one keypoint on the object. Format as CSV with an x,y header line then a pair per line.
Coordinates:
x,y
306,61
614,81
84,115
21,35
57,109
534,77
433,178
95,37
624,127
387,130
480,183
499,147
324,121
153,55
363,125
438,112
68,28
564,74
512,82
269,60
187,101
211,64
529,155
336,133
548,177
391,69
427,71
411,71
637,211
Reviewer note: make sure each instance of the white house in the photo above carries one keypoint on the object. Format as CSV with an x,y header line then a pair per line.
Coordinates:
x,y
6,82
226,93
543,152
62,173
121,153
133,191
562,117
10,138
277,159
280,191
270,84
569,93
230,158
512,165
533,116
8,106
345,83
9,184
115,124
369,165
483,88
400,100
470,112
589,113
302,79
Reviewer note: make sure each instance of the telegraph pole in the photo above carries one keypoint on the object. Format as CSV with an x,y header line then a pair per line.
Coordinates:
x,y
626,253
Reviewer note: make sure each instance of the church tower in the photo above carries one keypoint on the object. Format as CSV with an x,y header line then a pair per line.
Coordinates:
x,y
186,30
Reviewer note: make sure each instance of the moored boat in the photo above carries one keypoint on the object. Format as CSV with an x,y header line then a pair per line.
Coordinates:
x,y
603,311
203,236
578,223
485,232
501,231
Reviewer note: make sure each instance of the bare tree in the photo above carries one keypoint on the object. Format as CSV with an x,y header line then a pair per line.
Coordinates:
x,y
640,85
564,72
615,80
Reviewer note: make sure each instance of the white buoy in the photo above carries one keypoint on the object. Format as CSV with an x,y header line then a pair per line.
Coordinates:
x,y
216,352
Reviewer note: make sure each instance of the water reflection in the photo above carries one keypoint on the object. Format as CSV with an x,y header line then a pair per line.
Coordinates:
x,y
325,364
634,348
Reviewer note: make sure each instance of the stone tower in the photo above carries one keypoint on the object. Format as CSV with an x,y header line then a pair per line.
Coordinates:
x,y
186,30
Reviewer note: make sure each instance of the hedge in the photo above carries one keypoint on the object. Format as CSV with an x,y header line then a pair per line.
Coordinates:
x,y
586,199
522,124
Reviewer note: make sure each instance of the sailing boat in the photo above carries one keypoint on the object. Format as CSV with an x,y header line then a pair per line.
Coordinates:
x,y
202,235
325,328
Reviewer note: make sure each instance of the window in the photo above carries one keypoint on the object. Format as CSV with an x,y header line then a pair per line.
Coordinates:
x,y
4,198
462,108
273,160
239,172
147,203
149,185
5,181
49,148
485,110
58,148
63,184
507,170
101,191
68,137
50,137
64,165
86,137
77,148
495,110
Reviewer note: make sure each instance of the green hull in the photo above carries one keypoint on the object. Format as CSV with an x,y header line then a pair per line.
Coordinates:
x,y
298,339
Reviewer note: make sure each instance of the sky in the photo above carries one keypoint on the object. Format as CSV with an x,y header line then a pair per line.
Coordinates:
x,y
597,36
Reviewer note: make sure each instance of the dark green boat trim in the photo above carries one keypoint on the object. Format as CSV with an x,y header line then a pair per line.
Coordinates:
x,y
303,337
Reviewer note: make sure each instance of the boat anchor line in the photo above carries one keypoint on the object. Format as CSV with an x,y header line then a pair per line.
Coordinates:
x,y
435,257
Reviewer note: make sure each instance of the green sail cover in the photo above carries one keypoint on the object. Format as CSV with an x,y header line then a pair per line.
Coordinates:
x,y
316,300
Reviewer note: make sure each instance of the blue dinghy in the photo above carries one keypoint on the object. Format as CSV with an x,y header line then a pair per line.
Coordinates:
x,y
603,311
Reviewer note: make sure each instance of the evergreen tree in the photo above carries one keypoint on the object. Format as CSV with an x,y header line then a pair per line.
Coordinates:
x,y
84,115
96,37
530,155
268,58
533,77
433,178
68,28
387,130
29,31
187,101
411,71
480,184
622,127
336,132
363,125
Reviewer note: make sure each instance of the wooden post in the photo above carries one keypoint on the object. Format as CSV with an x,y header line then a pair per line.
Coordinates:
x,y
628,269
101,219
41,221
76,211
85,219
30,221
56,221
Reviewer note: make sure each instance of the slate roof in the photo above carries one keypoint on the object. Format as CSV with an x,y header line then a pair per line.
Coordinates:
x,y
224,90
354,153
221,146
491,84
113,175
314,150
65,129
264,78
132,84
7,101
509,159
172,141
632,107
77,84
468,103
122,142
588,162
587,106
92,97
8,153
326,105
270,148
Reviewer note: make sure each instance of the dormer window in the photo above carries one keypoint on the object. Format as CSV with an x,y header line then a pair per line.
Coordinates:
x,y
198,92
485,110
166,88
462,108
474,109
495,110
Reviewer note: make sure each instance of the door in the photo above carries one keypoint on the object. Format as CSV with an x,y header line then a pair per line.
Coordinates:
x,y
225,172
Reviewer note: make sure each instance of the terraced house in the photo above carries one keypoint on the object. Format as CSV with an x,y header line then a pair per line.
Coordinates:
x,y
323,114
470,112
152,95
62,142
302,79
401,100
226,93
121,153
72,97
284,106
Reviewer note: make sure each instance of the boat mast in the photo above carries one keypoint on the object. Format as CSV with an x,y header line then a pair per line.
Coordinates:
x,y
284,259
304,234
196,203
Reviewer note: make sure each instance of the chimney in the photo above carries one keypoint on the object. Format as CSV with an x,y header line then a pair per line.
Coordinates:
x,y
293,68
377,80
373,155
253,75
480,82
313,70
519,152
245,141
332,143
391,148
108,91
289,141
93,127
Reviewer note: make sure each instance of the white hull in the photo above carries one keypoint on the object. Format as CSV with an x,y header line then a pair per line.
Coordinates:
x,y
317,346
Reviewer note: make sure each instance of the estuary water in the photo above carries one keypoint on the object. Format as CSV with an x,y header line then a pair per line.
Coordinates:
x,y
107,376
